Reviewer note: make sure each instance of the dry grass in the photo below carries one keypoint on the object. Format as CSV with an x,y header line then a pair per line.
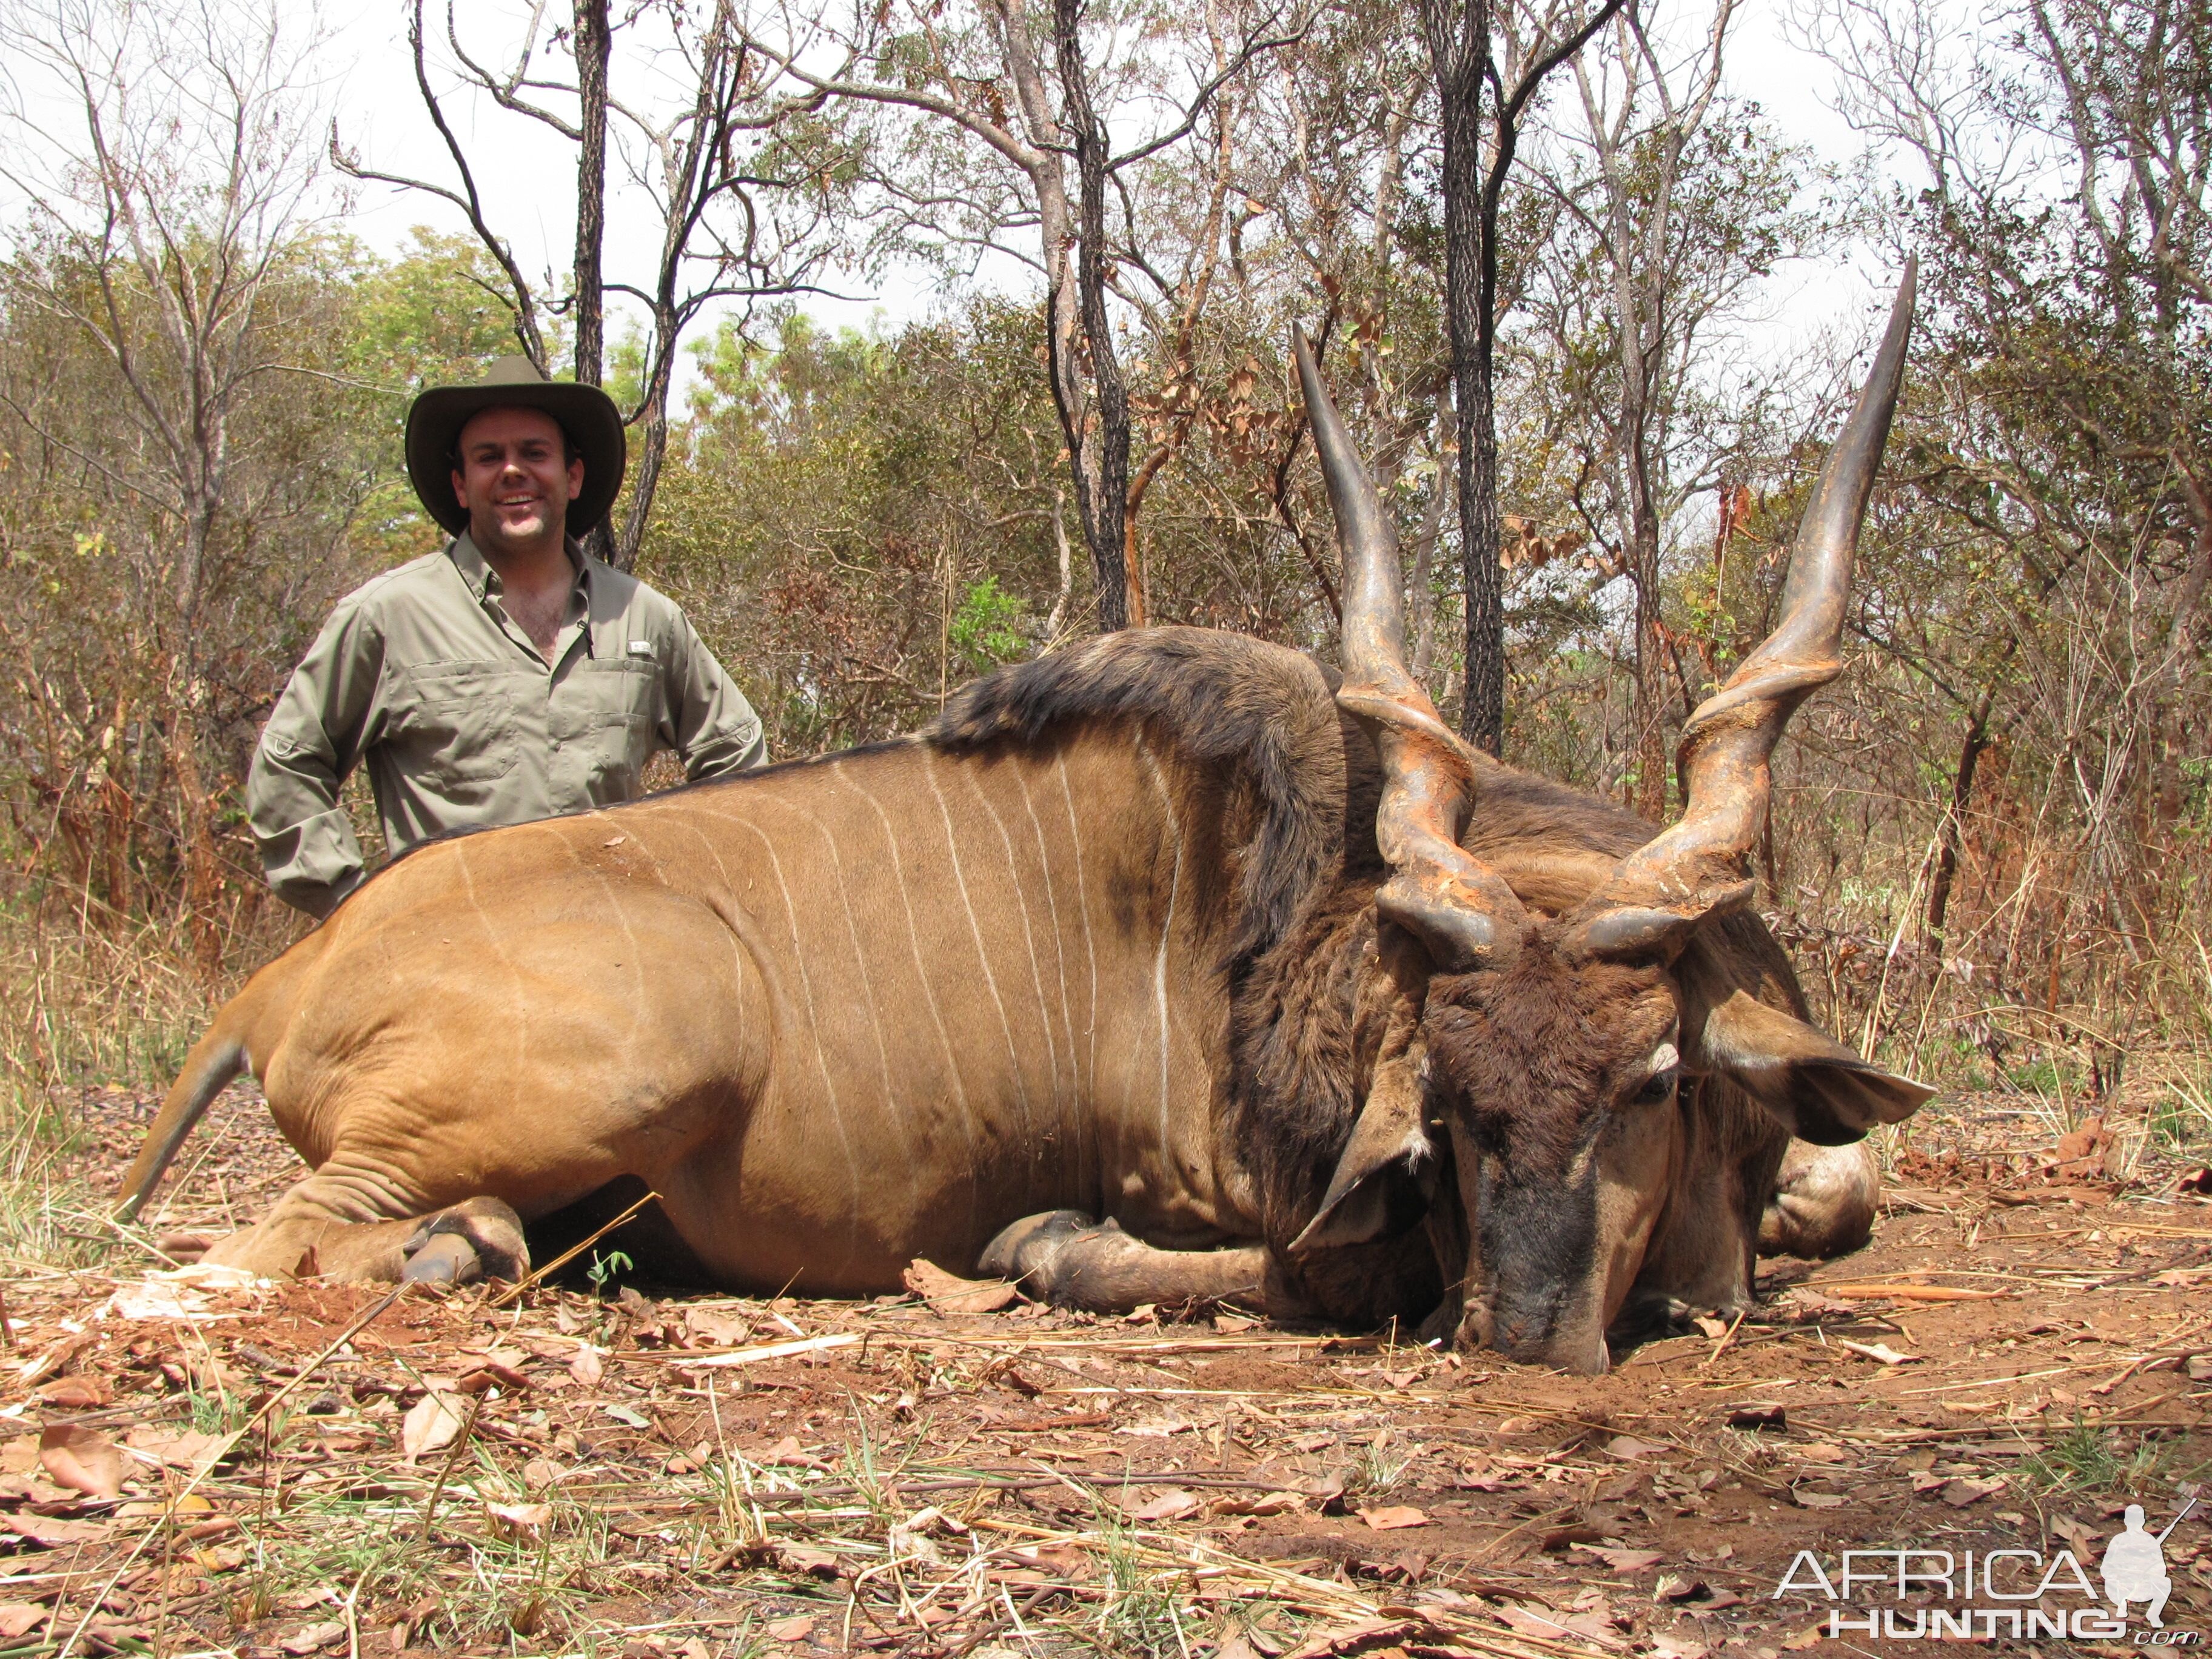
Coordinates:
x,y
1037,1484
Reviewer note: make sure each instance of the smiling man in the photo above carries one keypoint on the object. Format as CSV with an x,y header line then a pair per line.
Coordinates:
x,y
507,677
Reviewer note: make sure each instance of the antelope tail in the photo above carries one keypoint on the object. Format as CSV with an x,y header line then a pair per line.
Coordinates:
x,y
216,1058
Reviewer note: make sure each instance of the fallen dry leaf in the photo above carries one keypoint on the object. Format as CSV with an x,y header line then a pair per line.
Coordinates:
x,y
1811,1636
804,1559
540,1472
187,1449
314,1638
1627,1448
55,1360
1355,1638
1960,1493
586,1368
1881,1353
789,1454
83,1460
434,1422
76,1393
949,1293
1265,1503
21,1618
719,1329
1624,1560
52,1534
1542,1622
1171,1506
1393,1517
791,1630
516,1519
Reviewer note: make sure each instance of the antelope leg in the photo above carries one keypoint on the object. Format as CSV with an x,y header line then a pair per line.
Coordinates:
x,y
1066,1258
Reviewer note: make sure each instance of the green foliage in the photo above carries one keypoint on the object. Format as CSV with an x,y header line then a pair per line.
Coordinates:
x,y
606,1269
983,626
2095,1461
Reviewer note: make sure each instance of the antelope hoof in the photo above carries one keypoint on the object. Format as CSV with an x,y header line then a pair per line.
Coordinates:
x,y
183,1247
1023,1253
486,1242
447,1259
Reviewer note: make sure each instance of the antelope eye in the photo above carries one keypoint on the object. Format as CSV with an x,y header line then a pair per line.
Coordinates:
x,y
1659,1086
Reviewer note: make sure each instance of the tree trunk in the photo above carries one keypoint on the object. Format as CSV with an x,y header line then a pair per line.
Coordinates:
x,y
203,865
1421,606
1641,557
1101,489
1649,714
2171,744
649,450
1949,833
593,43
1458,35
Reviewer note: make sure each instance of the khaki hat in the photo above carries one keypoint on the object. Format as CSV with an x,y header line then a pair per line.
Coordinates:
x,y
586,414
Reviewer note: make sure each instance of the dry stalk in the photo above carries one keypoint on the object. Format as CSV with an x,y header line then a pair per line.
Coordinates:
x,y
229,1442
446,1469
514,1291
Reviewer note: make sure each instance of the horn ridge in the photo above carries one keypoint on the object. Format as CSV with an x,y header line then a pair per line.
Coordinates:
x,y
1664,888
1457,906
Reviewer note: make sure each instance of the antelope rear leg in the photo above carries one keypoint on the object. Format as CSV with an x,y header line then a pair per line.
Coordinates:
x,y
1064,1258
323,1226
1825,1201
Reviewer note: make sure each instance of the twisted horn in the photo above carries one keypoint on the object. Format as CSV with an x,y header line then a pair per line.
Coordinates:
x,y
1461,910
1666,886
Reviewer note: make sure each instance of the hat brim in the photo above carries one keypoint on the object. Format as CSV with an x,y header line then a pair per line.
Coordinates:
x,y
586,414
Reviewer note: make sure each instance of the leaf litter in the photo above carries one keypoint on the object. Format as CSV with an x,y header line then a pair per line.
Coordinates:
x,y
698,1475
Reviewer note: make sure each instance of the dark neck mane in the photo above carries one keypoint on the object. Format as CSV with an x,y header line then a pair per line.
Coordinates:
x,y
1229,706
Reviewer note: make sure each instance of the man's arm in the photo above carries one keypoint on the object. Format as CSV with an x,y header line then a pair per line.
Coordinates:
x,y
715,732
314,739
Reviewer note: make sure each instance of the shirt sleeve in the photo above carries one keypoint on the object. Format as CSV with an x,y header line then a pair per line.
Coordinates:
x,y
314,737
715,732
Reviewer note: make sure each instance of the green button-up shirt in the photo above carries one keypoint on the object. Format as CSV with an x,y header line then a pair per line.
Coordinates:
x,y
463,724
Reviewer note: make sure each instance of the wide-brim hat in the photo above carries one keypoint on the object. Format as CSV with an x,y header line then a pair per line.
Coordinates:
x,y
586,414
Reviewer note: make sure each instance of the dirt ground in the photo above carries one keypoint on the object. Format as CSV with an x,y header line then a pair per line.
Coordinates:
x,y
200,1466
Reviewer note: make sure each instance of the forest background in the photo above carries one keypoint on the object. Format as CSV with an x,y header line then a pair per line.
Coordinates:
x,y
1990,841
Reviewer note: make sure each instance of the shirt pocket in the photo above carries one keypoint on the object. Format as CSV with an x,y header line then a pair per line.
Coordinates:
x,y
622,715
455,724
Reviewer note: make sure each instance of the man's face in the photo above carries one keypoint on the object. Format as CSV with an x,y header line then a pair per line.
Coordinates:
x,y
514,478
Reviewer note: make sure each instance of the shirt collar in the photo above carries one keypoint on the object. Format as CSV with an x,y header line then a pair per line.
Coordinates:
x,y
479,575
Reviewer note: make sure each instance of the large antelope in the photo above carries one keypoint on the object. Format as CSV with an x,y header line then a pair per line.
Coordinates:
x,y
1309,1001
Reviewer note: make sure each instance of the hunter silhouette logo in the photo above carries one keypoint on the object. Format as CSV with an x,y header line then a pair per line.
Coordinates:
x,y
2017,1592
2135,1566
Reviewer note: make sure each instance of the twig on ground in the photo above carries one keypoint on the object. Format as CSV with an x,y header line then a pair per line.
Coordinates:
x,y
446,1469
514,1292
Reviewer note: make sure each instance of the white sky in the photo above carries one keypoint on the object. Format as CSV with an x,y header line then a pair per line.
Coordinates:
x,y
530,190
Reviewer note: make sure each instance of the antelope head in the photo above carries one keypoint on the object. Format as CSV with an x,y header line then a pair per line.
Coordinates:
x,y
1548,1047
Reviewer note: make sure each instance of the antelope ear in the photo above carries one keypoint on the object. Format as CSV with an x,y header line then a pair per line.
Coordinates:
x,y
1819,1089
1389,1152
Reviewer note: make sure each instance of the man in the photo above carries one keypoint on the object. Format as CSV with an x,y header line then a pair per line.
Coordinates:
x,y
507,677
2135,1567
